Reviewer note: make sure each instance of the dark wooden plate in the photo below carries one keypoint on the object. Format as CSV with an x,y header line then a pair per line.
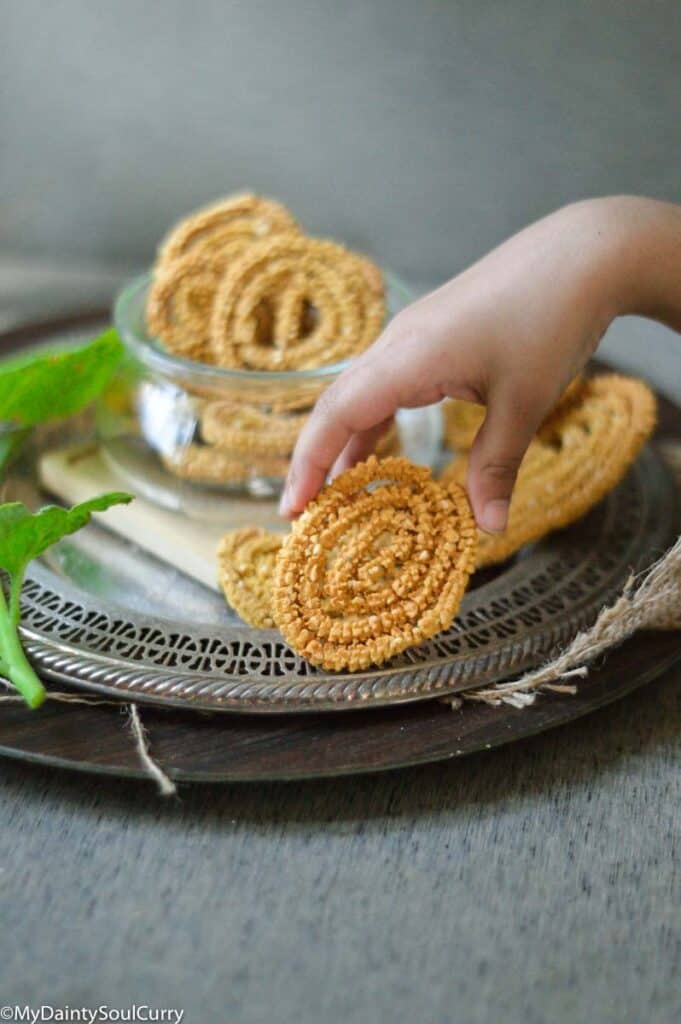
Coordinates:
x,y
200,747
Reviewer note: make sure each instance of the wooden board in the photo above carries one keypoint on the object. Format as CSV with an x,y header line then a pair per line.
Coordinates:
x,y
193,746
74,475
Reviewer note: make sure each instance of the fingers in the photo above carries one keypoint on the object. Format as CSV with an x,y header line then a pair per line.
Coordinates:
x,y
359,447
359,402
496,455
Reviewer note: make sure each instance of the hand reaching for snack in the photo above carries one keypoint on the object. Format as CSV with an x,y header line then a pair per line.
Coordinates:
x,y
510,333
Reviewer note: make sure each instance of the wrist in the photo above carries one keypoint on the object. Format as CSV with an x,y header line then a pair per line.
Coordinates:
x,y
639,256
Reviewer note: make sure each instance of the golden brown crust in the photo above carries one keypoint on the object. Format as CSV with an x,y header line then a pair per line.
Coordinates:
x,y
377,563
389,443
462,420
246,560
460,423
204,464
192,261
570,399
242,440
323,304
209,465
581,452
179,307
236,284
240,218
247,429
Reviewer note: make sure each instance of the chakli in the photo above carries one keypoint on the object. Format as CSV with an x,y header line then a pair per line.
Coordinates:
x,y
462,420
237,285
377,563
238,442
192,261
207,464
246,560
580,453
239,218
249,429
180,305
323,302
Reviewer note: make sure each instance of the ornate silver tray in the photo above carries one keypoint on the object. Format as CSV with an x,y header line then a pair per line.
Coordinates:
x,y
103,615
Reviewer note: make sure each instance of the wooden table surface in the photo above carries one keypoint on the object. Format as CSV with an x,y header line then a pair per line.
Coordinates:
x,y
535,883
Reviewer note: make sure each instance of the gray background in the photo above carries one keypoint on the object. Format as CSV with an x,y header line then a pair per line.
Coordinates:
x,y
534,884
422,130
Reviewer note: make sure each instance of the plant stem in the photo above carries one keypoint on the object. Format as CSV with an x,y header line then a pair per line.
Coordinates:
x,y
19,671
15,599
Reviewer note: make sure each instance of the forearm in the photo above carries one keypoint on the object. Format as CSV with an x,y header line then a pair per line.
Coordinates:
x,y
643,266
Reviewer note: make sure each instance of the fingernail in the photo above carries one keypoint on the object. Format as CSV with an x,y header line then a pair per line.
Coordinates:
x,y
495,515
285,507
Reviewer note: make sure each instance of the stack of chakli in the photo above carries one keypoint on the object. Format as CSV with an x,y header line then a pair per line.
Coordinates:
x,y
239,286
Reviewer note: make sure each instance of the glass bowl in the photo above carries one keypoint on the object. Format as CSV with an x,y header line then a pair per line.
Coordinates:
x,y
186,434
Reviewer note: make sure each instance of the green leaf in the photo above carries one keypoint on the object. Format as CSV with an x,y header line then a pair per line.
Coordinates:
x,y
25,535
57,383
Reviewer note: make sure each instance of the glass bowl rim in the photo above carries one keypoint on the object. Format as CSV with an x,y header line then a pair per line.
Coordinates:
x,y
146,350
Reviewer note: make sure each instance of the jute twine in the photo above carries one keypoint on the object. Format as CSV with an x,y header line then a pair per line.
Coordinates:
x,y
166,786
651,600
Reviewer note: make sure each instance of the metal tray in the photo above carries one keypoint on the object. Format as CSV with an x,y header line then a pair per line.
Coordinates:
x,y
103,615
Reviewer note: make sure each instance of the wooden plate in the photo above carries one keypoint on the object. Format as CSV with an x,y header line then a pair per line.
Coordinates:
x,y
205,747
201,747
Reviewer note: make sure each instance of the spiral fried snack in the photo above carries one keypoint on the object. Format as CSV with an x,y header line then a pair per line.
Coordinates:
x,y
462,420
248,429
246,560
377,563
206,464
179,306
192,261
281,397
581,452
320,303
240,218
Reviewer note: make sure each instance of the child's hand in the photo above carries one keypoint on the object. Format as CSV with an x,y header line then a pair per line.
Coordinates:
x,y
510,333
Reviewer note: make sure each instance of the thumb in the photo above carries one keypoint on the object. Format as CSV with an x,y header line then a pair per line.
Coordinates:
x,y
495,458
